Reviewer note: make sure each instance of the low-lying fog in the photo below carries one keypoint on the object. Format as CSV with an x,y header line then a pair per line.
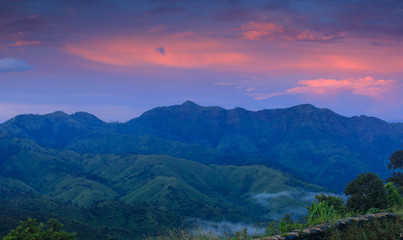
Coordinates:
x,y
275,205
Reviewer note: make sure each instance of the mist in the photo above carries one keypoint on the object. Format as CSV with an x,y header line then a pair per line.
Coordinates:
x,y
294,203
224,227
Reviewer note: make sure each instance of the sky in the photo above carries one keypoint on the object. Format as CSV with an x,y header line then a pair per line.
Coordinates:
x,y
119,58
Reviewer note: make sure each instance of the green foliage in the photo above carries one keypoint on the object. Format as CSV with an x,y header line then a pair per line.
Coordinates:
x,y
394,197
272,229
373,211
240,235
388,229
285,225
396,160
185,235
320,212
31,230
395,163
365,192
334,201
180,187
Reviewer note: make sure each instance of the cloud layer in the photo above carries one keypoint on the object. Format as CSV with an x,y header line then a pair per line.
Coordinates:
x,y
367,86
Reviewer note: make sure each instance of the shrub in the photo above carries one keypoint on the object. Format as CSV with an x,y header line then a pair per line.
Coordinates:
x,y
32,230
285,225
320,212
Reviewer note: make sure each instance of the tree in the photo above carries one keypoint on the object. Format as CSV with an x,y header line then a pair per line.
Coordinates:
x,y
396,162
335,201
393,195
366,191
31,230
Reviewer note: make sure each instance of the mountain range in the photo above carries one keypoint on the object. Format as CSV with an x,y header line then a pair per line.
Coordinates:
x,y
178,163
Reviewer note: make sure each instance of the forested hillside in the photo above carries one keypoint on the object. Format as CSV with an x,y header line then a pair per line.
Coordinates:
x,y
177,165
315,144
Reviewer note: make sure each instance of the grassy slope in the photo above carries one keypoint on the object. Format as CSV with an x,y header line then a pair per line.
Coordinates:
x,y
184,187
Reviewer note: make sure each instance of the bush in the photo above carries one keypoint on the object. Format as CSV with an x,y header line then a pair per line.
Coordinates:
x,y
285,225
32,230
334,201
370,230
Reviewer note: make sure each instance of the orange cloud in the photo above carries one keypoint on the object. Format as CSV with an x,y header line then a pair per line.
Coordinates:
x,y
178,52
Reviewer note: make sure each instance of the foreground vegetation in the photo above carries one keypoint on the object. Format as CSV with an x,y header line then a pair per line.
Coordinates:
x,y
367,194
32,230
319,213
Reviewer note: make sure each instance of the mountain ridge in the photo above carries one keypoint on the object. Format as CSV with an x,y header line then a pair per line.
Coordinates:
x,y
304,140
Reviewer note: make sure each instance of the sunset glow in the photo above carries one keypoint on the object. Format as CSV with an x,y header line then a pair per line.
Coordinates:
x,y
253,54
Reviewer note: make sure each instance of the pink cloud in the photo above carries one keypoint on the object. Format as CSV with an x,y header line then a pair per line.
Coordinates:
x,y
367,86
257,30
190,50
179,52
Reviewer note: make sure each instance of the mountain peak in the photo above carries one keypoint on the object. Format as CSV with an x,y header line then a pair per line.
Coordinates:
x,y
57,114
189,103
306,106
311,109
87,119
84,115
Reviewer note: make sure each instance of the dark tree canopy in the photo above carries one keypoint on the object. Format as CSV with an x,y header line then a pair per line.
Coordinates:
x,y
366,191
396,162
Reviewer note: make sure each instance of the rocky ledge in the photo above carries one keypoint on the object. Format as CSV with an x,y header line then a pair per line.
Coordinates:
x,y
319,231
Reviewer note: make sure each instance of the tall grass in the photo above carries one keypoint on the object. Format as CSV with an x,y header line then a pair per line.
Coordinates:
x,y
184,235
320,212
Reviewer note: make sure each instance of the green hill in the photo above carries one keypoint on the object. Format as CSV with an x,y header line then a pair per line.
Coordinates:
x,y
314,144
172,190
